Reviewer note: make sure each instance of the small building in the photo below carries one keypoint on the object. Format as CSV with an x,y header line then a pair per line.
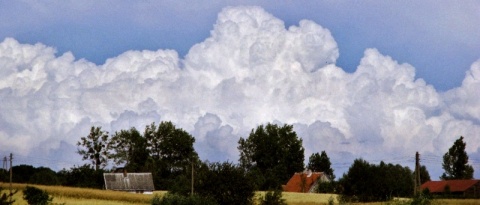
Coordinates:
x,y
129,182
304,182
465,188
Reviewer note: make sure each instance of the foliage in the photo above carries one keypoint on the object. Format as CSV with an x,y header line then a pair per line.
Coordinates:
x,y
366,182
273,153
326,187
170,152
82,176
44,176
95,147
29,174
225,183
455,162
4,198
321,163
129,148
424,175
273,198
175,199
36,196
423,198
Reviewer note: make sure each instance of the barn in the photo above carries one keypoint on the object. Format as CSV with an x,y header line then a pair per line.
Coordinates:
x,y
465,188
129,182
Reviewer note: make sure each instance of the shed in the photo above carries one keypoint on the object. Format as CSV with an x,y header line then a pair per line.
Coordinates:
x,y
305,181
465,188
129,182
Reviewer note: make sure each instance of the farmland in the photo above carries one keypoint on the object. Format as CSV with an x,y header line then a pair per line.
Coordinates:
x,y
84,196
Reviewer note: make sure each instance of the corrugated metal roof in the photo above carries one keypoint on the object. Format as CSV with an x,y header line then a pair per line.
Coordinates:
x,y
454,185
129,182
295,183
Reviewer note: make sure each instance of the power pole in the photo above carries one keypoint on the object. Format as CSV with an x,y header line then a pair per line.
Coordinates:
x,y
417,182
11,159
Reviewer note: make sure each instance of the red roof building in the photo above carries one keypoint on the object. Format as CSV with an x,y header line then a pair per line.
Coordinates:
x,y
304,181
468,188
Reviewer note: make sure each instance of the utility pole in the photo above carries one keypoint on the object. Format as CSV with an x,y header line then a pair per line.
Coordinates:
x,y
417,182
11,159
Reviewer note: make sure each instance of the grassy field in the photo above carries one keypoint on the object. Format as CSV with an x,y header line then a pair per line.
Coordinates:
x,y
82,196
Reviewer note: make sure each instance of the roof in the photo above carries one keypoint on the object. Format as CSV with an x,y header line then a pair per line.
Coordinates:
x,y
129,181
454,185
295,183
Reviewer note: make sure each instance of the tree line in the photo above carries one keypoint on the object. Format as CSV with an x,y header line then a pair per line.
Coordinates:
x,y
269,156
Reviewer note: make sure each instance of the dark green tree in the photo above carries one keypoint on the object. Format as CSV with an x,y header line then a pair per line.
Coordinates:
x,y
366,182
170,152
226,183
424,175
36,196
130,149
455,162
272,154
82,176
321,163
94,147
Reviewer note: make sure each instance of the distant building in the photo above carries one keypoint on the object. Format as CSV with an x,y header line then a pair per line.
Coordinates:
x,y
467,188
306,181
129,182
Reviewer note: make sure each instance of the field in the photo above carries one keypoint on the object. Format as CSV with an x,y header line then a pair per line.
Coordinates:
x,y
82,196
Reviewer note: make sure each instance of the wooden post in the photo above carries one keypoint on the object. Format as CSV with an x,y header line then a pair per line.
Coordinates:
x,y
11,159
417,182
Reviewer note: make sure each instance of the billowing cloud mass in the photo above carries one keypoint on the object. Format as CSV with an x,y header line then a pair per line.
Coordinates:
x,y
250,71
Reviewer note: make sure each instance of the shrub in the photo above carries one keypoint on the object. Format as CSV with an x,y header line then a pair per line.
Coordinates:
x,y
36,196
175,199
273,198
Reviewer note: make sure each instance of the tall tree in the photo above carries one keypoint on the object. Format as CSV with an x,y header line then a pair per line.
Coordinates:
x,y
171,152
273,153
94,147
321,163
130,149
455,162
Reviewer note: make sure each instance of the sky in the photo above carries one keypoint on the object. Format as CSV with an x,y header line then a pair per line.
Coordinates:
x,y
358,79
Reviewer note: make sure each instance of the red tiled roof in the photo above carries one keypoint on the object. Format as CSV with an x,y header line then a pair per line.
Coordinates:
x,y
454,185
295,183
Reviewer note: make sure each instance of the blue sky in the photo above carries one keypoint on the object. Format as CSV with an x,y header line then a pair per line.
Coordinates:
x,y
370,79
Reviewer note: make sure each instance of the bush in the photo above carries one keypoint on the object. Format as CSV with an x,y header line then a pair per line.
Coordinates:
x,y
226,183
175,199
273,198
36,196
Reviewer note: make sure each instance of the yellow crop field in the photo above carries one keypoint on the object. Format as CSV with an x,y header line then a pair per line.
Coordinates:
x,y
84,196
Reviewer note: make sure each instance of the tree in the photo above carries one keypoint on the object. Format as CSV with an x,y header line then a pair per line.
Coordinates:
x,y
130,149
95,147
171,152
36,196
272,154
321,163
366,182
455,162
424,175
226,183
83,176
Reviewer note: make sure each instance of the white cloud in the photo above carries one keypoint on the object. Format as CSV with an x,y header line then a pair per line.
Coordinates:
x,y
251,70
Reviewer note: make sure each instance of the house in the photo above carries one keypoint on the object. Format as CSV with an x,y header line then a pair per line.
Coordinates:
x,y
129,182
305,181
466,188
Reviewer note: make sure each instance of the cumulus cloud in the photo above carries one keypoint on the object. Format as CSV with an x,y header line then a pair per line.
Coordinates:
x,y
250,71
